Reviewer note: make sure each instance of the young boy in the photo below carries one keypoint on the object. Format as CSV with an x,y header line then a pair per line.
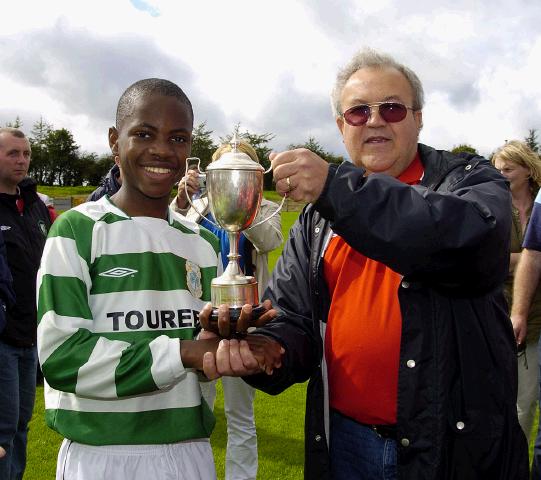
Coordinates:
x,y
120,286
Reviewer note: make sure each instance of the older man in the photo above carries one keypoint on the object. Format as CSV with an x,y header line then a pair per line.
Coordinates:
x,y
390,300
24,222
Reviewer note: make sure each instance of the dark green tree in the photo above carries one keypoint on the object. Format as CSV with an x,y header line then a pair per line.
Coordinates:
x,y
16,124
40,158
65,165
313,145
202,144
464,147
95,167
531,140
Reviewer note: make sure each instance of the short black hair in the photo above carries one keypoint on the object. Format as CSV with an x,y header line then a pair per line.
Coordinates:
x,y
148,86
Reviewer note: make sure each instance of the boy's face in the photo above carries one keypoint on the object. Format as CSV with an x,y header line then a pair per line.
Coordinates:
x,y
152,145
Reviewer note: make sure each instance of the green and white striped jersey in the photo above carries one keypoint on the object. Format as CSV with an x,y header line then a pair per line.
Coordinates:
x,y
115,295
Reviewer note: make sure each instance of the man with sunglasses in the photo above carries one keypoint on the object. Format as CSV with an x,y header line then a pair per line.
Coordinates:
x,y
389,293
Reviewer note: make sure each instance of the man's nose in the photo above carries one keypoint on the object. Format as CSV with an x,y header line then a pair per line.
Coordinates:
x,y
375,119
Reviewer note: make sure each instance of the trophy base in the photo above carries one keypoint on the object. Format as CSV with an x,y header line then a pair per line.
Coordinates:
x,y
234,314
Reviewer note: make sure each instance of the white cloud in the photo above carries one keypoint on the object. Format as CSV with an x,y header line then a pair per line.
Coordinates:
x,y
271,64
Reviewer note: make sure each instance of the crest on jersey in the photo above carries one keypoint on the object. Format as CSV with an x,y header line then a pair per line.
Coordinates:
x,y
193,279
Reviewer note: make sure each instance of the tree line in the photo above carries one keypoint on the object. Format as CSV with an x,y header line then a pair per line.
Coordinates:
x,y
58,160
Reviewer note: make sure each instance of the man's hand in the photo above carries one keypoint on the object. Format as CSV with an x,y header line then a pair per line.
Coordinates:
x,y
223,327
254,354
190,182
300,174
2,452
520,328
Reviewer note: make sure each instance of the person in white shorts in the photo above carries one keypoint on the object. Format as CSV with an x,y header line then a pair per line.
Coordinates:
x,y
120,286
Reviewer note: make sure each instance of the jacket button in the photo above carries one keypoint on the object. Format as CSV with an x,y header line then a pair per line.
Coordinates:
x,y
318,438
405,442
460,425
317,229
468,167
405,284
410,363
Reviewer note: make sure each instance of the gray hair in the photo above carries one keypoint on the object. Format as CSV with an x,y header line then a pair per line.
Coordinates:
x,y
368,57
13,131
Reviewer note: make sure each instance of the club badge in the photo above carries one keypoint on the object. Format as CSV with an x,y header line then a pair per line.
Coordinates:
x,y
193,279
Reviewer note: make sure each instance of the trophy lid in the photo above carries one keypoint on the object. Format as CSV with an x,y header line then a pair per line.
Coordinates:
x,y
234,160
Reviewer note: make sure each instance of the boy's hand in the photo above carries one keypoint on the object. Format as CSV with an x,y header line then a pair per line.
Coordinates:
x,y
254,354
224,328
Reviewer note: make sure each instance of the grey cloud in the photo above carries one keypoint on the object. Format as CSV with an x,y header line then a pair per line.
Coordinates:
x,y
294,116
86,73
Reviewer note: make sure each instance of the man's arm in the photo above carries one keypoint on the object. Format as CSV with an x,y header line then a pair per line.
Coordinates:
x,y
524,287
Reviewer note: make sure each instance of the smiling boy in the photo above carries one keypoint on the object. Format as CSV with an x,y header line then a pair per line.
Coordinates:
x,y
120,286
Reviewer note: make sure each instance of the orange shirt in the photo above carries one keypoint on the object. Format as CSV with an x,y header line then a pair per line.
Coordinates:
x,y
362,340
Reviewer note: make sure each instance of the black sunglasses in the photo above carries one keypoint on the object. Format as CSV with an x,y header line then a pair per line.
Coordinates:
x,y
391,112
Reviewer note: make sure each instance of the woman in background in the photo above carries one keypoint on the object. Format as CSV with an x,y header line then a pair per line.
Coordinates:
x,y
522,167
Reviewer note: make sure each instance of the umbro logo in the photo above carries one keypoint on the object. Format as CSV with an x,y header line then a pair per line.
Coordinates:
x,y
118,272
5,227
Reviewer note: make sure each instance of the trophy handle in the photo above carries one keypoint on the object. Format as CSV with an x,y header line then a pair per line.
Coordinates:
x,y
276,212
195,160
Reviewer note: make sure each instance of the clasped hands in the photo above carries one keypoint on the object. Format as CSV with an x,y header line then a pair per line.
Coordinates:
x,y
246,355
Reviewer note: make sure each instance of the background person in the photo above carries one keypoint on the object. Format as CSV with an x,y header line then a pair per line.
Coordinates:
x,y
389,297
254,246
522,167
24,222
109,185
525,289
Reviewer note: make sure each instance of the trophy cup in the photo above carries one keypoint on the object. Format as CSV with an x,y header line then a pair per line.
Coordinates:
x,y
234,186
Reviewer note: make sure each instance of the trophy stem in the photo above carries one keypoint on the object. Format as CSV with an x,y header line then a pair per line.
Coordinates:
x,y
233,268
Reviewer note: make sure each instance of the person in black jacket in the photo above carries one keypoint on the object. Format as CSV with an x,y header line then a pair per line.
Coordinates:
x,y
389,298
109,185
24,222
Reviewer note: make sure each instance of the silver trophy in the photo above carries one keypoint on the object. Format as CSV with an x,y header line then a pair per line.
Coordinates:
x,y
234,186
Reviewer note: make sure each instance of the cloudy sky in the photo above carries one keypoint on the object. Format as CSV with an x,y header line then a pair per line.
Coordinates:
x,y
270,64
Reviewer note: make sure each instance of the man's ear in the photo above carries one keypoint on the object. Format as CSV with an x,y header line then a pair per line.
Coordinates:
x,y
419,119
340,124
113,142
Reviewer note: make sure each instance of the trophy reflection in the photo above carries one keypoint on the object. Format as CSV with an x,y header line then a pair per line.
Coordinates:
x,y
234,184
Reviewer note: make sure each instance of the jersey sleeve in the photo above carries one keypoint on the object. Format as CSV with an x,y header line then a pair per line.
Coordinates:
x,y
74,357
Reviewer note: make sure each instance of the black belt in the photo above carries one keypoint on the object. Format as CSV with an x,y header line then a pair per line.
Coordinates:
x,y
384,431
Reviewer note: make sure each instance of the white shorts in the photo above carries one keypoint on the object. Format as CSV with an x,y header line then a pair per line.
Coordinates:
x,y
191,460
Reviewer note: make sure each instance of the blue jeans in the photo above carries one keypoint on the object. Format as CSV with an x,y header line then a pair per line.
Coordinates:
x,y
357,452
17,393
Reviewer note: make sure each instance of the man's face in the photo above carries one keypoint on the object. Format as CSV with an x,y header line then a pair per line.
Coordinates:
x,y
379,146
152,146
14,161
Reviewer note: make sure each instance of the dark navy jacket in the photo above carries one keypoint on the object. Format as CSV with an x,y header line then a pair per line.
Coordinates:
x,y
7,295
24,237
449,238
109,185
